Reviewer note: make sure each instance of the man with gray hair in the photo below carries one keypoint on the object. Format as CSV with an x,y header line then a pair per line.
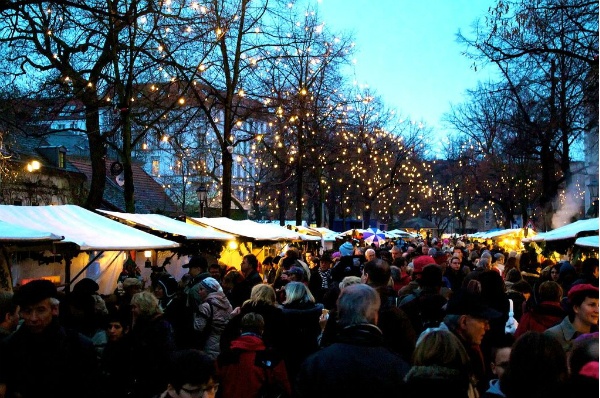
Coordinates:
x,y
358,364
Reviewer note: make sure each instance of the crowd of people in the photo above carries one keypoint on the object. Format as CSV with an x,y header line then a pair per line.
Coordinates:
x,y
447,318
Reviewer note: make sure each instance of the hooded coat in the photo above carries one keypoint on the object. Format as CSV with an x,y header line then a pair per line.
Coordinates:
x,y
249,360
213,313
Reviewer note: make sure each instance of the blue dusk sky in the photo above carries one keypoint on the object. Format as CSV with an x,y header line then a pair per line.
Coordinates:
x,y
406,50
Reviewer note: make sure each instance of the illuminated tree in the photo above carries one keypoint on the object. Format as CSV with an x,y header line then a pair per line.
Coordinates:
x,y
545,52
306,87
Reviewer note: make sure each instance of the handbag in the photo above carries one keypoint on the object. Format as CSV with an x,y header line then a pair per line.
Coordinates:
x,y
511,322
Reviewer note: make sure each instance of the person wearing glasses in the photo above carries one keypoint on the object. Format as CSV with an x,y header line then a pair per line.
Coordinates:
x,y
191,374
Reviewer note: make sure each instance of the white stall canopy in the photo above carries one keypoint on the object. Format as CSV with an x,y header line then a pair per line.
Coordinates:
x,y
11,233
568,231
86,229
162,223
249,229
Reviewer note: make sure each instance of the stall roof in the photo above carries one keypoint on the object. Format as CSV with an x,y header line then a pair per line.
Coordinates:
x,y
162,223
16,233
249,229
86,229
588,241
568,231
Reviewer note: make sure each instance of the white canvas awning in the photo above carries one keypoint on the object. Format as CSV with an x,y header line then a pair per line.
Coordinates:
x,y
499,233
16,233
86,229
568,231
162,223
249,229
588,241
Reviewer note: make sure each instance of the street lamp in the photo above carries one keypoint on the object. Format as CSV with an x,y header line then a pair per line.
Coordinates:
x,y
202,197
526,226
593,189
148,255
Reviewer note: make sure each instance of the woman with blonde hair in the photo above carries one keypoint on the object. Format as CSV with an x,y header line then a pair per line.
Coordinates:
x,y
151,341
262,301
301,322
441,367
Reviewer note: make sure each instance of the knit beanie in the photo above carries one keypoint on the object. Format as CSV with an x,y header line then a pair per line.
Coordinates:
x,y
211,285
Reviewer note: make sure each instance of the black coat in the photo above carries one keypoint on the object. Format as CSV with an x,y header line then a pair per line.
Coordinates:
x,y
56,363
358,365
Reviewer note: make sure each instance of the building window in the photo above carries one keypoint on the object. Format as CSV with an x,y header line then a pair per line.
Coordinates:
x,y
155,167
61,160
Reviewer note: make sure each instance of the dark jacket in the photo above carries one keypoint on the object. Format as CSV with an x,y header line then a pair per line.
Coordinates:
x,y
151,342
273,335
301,331
241,292
437,381
56,363
358,365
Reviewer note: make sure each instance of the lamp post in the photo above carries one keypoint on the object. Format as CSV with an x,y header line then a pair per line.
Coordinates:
x,y
526,226
593,189
202,193
148,255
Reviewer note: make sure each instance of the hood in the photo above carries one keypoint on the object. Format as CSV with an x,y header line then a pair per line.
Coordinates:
x,y
219,300
248,342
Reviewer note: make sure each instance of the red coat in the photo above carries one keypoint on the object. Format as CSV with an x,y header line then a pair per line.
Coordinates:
x,y
239,372
542,317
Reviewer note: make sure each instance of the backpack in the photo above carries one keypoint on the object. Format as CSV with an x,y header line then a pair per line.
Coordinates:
x,y
270,388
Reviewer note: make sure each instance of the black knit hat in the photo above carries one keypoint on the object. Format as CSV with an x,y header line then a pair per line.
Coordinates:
x,y
168,284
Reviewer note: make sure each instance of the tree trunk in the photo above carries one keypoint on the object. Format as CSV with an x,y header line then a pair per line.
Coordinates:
x,y
128,189
97,157
227,162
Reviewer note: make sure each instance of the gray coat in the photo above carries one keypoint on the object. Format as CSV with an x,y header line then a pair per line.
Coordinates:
x,y
215,311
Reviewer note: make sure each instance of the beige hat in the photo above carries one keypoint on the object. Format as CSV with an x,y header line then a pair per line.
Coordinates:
x,y
129,282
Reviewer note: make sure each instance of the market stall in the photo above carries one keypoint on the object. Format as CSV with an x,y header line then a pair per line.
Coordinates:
x,y
93,245
561,242
259,239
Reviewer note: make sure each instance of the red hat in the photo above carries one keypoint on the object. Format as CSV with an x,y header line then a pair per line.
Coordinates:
x,y
582,289
420,262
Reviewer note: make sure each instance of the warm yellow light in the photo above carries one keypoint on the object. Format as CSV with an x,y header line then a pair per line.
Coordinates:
x,y
147,253
232,245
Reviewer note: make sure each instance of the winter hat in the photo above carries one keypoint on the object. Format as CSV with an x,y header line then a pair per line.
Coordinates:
x,y
582,290
168,284
196,261
129,282
590,369
420,262
34,292
347,249
86,286
298,272
211,285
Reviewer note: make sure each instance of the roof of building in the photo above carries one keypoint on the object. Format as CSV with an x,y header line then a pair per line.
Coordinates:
x,y
150,196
